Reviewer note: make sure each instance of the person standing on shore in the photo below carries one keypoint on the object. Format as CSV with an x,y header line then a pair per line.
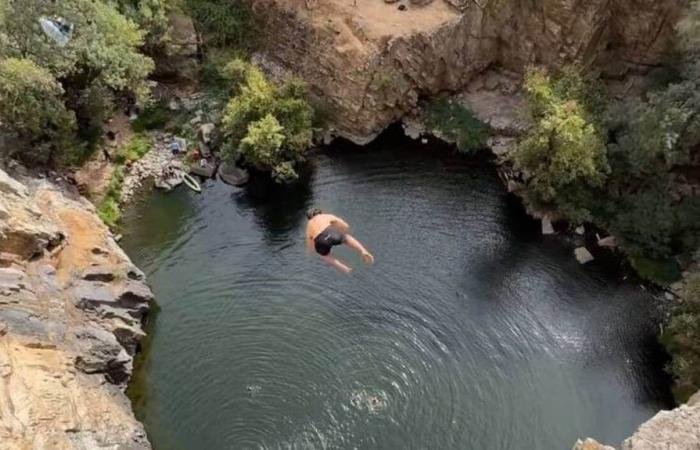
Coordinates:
x,y
324,231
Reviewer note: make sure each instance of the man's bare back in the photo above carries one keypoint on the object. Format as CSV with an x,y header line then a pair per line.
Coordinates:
x,y
324,231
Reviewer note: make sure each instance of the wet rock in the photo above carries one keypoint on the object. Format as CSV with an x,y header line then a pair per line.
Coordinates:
x,y
515,186
205,132
233,175
583,256
547,227
609,242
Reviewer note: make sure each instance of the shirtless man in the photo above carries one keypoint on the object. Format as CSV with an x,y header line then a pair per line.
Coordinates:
x,y
325,231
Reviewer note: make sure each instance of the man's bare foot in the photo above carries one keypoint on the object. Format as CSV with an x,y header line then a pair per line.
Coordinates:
x,y
368,258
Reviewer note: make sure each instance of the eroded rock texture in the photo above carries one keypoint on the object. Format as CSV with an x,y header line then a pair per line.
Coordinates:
x,y
370,62
71,309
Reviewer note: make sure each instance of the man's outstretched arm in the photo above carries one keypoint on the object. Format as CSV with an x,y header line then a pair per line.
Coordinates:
x,y
338,264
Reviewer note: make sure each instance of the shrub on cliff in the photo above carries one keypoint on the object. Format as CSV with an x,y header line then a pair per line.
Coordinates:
x,y
267,125
102,57
563,153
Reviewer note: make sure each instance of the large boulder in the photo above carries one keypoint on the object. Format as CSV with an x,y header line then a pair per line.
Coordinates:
x,y
178,59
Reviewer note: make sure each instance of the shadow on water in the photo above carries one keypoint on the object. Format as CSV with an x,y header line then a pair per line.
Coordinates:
x,y
277,208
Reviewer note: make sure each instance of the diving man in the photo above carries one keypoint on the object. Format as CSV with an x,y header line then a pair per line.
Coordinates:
x,y
324,231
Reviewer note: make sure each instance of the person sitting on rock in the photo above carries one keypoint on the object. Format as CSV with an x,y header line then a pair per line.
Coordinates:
x,y
324,231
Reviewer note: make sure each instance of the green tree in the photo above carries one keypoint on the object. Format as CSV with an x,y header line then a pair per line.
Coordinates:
x,y
262,147
151,16
223,23
101,60
563,153
104,47
256,98
30,102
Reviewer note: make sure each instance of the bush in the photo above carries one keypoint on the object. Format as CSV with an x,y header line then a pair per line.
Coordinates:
x,y
153,117
108,209
267,125
457,124
659,271
262,147
30,102
563,154
682,340
138,146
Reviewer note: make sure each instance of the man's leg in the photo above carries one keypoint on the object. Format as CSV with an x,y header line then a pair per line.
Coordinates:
x,y
335,262
355,244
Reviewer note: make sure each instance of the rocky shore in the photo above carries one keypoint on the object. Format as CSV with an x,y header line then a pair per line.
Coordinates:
x,y
147,167
72,308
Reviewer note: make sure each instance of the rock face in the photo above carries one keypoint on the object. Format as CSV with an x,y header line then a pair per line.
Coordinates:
x,y
178,60
678,429
370,62
71,309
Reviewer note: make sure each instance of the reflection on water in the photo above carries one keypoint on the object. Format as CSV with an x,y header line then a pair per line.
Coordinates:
x,y
470,331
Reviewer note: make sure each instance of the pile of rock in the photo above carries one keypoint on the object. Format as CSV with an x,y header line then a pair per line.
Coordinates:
x,y
147,167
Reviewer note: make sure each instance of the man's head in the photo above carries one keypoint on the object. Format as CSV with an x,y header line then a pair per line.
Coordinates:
x,y
310,214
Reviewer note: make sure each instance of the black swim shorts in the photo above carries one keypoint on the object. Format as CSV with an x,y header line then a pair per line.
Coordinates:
x,y
326,239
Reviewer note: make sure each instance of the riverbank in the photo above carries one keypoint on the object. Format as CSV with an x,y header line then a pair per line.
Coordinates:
x,y
72,308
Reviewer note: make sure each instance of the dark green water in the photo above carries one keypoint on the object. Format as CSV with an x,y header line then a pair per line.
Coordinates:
x,y
470,332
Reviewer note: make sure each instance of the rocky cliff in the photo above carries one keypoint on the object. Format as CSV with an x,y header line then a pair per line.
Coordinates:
x,y
678,429
371,61
71,310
